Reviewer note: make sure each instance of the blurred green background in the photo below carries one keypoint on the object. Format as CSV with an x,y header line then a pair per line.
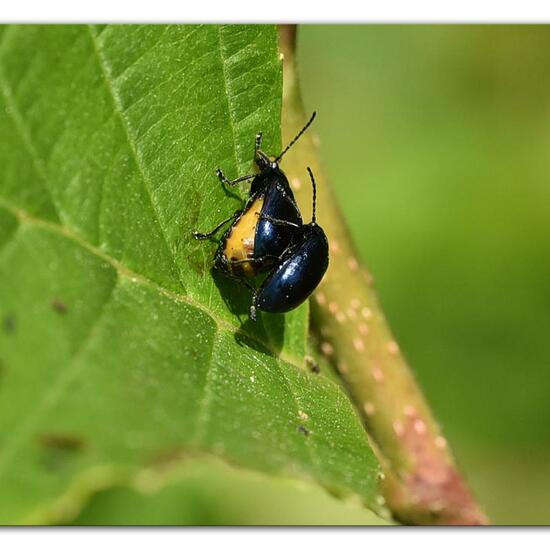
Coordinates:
x,y
437,141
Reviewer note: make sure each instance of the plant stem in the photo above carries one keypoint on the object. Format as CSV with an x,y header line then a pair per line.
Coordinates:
x,y
422,484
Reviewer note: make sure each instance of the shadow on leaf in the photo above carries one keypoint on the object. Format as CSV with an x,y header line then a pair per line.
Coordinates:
x,y
268,328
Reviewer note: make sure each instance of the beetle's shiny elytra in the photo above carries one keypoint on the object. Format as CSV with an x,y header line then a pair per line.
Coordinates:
x,y
253,243
267,231
300,268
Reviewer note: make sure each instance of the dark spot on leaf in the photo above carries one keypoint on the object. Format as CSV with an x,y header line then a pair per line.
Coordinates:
x,y
57,450
167,457
62,442
9,323
59,306
312,364
302,429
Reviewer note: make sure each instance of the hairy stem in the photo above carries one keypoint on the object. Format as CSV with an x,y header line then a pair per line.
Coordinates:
x,y
422,484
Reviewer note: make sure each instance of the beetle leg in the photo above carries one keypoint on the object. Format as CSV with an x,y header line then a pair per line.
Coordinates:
x,y
255,260
258,143
244,282
279,222
249,286
226,181
202,236
221,263
261,159
253,306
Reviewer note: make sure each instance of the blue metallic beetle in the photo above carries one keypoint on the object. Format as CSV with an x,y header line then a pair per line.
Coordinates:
x,y
300,268
264,232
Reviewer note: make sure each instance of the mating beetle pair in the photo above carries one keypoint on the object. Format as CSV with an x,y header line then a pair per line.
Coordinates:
x,y
268,235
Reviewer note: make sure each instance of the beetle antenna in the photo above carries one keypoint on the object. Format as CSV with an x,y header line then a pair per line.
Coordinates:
x,y
313,218
298,136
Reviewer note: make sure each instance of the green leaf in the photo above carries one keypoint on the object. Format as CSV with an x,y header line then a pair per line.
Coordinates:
x,y
118,346
208,492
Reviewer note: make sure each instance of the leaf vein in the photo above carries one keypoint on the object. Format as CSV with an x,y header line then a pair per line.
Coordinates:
x,y
202,415
132,146
123,271
228,95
